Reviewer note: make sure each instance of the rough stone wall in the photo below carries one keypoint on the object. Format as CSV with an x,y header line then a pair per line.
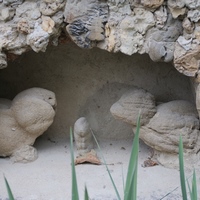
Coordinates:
x,y
166,30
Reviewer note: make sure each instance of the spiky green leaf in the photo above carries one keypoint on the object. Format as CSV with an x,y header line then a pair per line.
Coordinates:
x,y
181,167
86,196
130,192
10,195
194,187
75,195
111,178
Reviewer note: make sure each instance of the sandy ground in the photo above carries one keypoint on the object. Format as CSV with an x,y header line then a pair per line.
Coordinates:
x,y
49,177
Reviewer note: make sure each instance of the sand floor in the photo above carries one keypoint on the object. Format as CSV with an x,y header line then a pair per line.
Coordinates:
x,y
49,177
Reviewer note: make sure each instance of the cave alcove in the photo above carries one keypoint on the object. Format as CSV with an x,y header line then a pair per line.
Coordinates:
x,y
88,82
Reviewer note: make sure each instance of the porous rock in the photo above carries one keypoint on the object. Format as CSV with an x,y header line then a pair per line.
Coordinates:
x,y
50,7
160,43
162,125
177,8
133,103
86,20
162,133
166,30
24,119
187,57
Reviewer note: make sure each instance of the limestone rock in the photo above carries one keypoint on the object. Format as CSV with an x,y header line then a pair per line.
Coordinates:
x,y
24,119
146,3
161,17
177,12
188,26
136,101
152,4
172,119
187,57
156,27
47,24
85,19
83,136
49,7
160,43
38,39
186,44
25,154
13,3
3,60
192,4
23,26
198,98
6,13
131,33
176,7
194,15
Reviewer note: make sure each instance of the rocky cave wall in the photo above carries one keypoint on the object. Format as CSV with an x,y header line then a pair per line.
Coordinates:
x,y
88,82
166,30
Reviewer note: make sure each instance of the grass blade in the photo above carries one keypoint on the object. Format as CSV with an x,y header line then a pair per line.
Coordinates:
x,y
10,195
194,187
113,183
181,167
190,191
75,195
123,178
130,192
86,196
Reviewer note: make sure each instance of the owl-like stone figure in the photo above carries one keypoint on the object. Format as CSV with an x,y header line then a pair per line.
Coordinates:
x,y
22,120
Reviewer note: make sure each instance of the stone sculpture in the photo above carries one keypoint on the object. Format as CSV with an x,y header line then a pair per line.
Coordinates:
x,y
161,125
83,136
84,142
23,120
133,102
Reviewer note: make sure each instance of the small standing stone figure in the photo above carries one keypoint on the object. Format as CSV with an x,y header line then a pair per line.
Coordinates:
x,y
84,142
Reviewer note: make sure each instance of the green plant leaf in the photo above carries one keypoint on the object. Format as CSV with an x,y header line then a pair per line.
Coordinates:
x,y
190,191
130,192
10,195
123,178
111,178
75,195
86,196
181,167
194,187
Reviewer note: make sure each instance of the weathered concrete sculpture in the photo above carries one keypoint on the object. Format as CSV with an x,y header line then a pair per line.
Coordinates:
x,y
83,136
24,119
84,142
172,119
161,125
133,102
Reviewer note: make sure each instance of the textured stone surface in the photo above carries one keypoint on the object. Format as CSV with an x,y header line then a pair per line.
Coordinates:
x,y
24,119
83,136
86,21
161,126
166,30
131,104
172,119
